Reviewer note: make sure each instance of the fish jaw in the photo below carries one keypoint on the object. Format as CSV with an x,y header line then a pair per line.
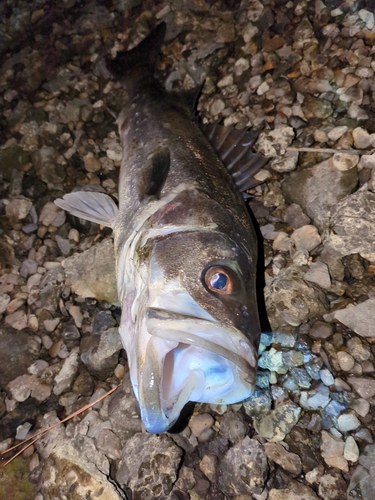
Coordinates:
x,y
181,358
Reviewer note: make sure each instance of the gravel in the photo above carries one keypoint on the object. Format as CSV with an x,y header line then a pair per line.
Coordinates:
x,y
303,73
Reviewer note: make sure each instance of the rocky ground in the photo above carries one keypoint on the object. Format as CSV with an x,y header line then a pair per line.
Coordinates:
x,y
304,69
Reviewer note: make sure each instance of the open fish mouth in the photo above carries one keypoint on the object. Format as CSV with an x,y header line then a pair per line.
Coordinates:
x,y
191,359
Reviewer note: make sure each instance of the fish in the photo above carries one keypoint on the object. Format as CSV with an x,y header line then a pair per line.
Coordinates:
x,y
185,245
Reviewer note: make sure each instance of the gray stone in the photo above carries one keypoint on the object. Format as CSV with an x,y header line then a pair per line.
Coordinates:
x,y
348,422
306,238
319,274
285,163
75,469
64,379
318,189
100,353
92,272
295,217
16,354
332,486
352,226
365,387
149,465
233,427
278,422
244,469
351,450
362,484
290,300
359,318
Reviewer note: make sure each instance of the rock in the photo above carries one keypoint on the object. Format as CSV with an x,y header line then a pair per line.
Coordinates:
x,y
64,379
294,491
318,189
362,484
18,208
361,138
352,225
359,318
346,361
88,471
199,423
209,466
92,272
348,422
17,320
149,465
290,300
243,469
357,349
4,301
16,354
351,451
365,387
319,397
273,143
344,161
278,422
108,443
295,217
285,163
306,238
15,482
49,213
337,132
332,486
233,427
332,450
258,404
100,353
319,274
48,169
288,461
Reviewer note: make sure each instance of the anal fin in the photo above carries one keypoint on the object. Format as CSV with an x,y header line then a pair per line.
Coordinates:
x,y
95,207
235,149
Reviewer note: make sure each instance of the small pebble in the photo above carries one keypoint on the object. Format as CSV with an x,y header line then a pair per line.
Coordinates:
x,y
199,423
346,361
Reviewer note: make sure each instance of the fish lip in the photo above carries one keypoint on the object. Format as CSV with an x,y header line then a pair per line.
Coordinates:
x,y
159,325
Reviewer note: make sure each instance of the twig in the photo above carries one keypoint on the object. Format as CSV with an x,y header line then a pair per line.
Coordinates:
x,y
32,439
328,150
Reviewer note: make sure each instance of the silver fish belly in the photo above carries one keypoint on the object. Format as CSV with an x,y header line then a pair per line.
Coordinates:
x,y
185,251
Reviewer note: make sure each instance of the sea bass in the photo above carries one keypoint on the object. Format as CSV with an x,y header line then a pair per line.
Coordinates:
x,y
185,247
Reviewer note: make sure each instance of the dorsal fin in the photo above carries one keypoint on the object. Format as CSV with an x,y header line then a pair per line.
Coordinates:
x,y
235,149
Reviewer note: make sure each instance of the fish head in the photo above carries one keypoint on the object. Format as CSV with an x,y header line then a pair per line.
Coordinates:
x,y
196,327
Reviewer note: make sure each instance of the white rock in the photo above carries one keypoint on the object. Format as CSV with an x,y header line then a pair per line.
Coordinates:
x,y
344,161
346,361
351,451
337,132
348,422
359,318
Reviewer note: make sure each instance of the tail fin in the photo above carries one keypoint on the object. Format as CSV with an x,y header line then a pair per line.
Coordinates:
x,y
134,65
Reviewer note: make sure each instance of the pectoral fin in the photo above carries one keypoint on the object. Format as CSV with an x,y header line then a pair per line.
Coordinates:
x,y
96,207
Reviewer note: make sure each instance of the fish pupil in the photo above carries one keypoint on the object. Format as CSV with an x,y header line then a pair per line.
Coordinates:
x,y
219,281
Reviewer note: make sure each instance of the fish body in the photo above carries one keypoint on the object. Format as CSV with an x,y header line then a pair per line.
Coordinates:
x,y
185,251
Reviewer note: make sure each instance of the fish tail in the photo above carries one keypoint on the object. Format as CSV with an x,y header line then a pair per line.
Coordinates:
x,y
133,66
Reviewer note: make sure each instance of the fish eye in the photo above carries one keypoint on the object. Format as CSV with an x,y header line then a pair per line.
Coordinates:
x,y
220,280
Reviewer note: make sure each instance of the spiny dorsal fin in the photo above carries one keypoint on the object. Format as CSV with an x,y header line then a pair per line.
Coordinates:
x,y
155,173
96,207
235,149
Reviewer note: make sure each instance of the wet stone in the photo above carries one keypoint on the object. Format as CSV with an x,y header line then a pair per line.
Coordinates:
x,y
233,427
351,451
199,423
348,422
